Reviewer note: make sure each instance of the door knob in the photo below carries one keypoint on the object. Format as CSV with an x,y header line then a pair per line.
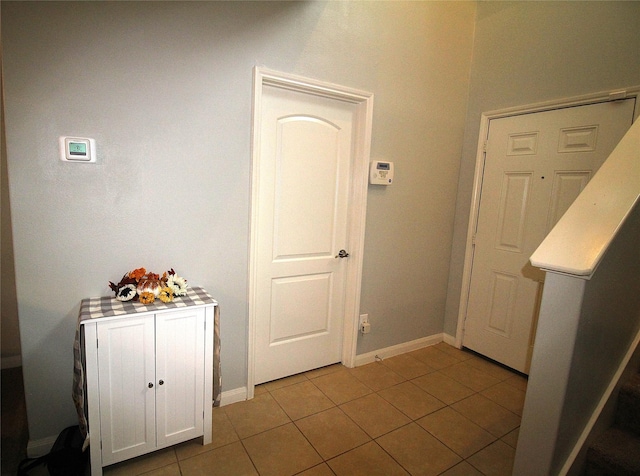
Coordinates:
x,y
150,385
161,382
342,254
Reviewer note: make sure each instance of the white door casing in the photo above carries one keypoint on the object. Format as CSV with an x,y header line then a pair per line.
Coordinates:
x,y
310,160
536,164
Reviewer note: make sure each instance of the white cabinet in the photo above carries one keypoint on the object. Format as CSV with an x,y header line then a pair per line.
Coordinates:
x,y
149,381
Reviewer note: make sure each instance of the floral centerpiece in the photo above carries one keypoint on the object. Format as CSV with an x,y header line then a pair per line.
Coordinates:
x,y
141,285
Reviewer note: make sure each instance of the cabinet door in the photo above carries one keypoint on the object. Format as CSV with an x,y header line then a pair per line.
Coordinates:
x,y
180,379
126,369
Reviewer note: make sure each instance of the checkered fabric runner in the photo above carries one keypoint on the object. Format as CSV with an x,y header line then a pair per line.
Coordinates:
x,y
92,308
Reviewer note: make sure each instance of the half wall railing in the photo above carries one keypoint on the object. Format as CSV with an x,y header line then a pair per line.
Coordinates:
x,y
589,322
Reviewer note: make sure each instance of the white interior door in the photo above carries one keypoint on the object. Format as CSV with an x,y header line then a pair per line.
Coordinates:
x,y
535,166
306,157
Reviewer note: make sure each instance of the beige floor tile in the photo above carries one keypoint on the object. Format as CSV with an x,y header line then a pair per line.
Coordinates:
x,y
462,469
142,464
518,381
284,382
411,400
192,448
506,395
301,400
366,460
341,386
332,432
470,377
375,415
230,460
457,432
494,418
377,376
171,470
459,354
223,434
329,369
511,438
417,451
495,460
434,357
489,367
259,390
407,366
443,388
320,470
332,413
257,415
282,451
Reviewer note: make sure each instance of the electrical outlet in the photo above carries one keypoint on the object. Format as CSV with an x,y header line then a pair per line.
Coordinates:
x,y
364,326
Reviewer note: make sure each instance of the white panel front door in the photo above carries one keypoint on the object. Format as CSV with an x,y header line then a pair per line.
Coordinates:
x,y
535,166
303,203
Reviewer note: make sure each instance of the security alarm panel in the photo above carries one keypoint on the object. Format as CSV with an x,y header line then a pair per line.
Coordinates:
x,y
381,172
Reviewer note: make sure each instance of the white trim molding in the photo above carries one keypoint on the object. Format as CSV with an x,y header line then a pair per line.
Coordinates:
x,y
398,349
233,396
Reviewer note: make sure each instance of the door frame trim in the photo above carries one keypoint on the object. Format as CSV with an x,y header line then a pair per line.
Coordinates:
x,y
485,119
357,200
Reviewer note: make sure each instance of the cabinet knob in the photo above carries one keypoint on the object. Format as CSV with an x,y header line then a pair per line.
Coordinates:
x,y
150,385
161,382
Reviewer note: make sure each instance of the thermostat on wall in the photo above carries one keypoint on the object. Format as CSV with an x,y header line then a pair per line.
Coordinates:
x,y
77,149
381,172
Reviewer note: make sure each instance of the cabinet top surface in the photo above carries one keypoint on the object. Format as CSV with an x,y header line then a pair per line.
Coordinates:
x,y
107,306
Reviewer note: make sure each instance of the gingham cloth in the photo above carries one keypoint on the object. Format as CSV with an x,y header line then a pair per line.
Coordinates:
x,y
97,307
109,306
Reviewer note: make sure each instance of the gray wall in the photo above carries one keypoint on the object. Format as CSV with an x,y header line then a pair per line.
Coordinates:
x,y
530,52
165,89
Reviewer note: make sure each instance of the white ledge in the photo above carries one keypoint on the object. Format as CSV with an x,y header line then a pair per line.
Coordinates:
x,y
582,236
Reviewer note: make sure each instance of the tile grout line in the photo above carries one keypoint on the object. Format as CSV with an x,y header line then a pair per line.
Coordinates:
x,y
372,439
306,378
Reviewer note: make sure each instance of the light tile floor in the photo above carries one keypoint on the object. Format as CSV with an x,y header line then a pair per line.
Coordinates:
x,y
434,411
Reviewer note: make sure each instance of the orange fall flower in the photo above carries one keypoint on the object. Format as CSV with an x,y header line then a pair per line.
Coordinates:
x,y
137,273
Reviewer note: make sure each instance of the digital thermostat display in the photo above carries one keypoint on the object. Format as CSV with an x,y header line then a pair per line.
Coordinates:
x,y
77,149
383,166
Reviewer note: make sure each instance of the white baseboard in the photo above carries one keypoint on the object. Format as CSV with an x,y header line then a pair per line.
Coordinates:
x,y
233,396
398,349
449,339
240,394
11,361
40,447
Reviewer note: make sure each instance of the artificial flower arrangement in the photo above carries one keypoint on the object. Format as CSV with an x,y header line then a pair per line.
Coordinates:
x,y
141,285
